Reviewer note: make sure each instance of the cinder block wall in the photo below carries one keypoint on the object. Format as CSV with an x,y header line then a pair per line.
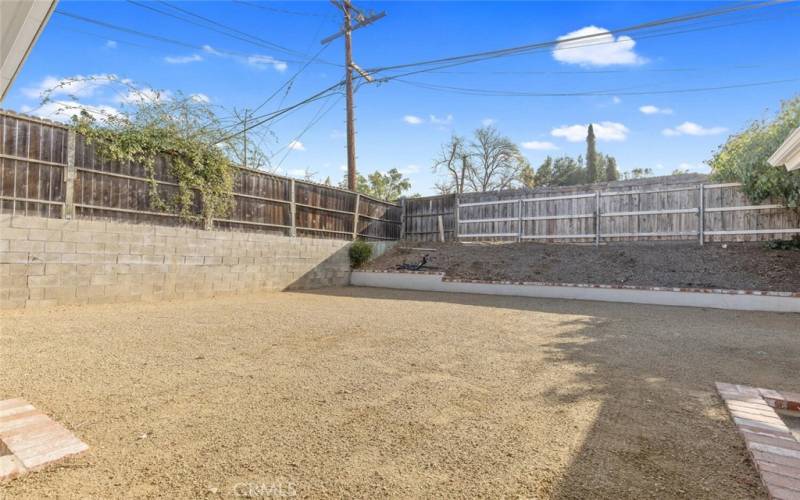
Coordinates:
x,y
53,261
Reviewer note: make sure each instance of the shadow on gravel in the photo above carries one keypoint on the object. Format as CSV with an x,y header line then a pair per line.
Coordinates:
x,y
661,431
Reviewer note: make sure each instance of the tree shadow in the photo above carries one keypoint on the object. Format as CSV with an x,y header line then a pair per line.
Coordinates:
x,y
659,430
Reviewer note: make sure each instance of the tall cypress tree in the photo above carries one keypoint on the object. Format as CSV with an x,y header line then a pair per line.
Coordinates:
x,y
591,156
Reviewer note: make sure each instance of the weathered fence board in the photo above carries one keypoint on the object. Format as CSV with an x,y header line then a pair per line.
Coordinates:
x,y
667,208
422,217
35,161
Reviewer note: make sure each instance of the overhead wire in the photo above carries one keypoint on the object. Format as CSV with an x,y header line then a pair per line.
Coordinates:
x,y
284,11
477,56
548,45
238,31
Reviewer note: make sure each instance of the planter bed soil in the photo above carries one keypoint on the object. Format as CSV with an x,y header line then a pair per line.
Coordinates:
x,y
735,266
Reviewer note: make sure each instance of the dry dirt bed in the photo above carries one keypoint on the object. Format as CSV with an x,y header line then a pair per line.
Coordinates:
x,y
368,392
740,266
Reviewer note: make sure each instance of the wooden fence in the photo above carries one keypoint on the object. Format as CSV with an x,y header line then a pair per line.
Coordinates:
x,y
48,170
684,208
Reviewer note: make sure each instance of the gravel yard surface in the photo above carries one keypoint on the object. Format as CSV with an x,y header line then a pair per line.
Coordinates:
x,y
740,266
368,393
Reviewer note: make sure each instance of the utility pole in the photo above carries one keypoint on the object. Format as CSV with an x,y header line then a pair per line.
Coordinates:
x,y
347,8
246,111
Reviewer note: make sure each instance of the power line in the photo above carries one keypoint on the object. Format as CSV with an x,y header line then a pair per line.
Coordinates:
x,y
152,36
469,58
477,56
320,114
549,45
284,11
240,32
275,114
247,38
605,92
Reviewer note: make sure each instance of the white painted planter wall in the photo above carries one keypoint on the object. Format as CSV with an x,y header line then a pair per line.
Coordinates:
x,y
710,299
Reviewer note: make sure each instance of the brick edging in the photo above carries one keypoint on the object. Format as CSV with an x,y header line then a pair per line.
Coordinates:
x,y
774,450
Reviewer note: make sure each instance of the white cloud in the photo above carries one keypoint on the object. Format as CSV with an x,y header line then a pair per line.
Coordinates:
x,y
343,168
111,44
64,110
297,146
208,49
183,59
691,128
260,61
488,122
539,145
604,131
200,98
447,120
409,169
602,49
74,86
616,100
649,109
412,120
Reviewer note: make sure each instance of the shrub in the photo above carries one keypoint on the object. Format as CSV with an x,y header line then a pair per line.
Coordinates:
x,y
744,158
360,253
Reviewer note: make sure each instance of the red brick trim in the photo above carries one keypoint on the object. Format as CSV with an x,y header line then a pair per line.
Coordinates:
x,y
774,449
29,439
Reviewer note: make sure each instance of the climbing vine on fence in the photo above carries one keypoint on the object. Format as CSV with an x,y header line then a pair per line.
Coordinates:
x,y
198,166
149,124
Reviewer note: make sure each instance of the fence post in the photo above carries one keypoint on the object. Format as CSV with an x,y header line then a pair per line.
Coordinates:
x,y
597,218
402,218
292,209
355,216
440,222
701,216
69,178
455,217
519,220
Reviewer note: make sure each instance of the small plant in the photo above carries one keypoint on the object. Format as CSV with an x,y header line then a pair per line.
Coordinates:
x,y
793,244
360,253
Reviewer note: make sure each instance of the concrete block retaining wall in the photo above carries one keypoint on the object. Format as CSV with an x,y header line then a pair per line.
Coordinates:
x,y
53,261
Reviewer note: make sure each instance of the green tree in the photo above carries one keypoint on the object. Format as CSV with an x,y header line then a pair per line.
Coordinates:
x,y
568,171
592,158
612,173
544,174
527,177
743,158
384,186
638,173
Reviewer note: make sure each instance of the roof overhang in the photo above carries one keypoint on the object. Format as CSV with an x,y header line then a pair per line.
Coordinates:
x,y
788,153
21,22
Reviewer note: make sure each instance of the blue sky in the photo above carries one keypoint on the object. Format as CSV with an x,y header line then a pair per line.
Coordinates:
x,y
402,125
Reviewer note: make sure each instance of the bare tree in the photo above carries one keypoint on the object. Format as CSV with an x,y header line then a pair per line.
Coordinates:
x,y
496,162
454,162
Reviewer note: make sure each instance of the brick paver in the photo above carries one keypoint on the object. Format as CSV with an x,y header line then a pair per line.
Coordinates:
x,y
775,451
29,439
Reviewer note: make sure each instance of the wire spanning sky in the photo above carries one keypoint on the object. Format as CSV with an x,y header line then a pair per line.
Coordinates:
x,y
662,98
